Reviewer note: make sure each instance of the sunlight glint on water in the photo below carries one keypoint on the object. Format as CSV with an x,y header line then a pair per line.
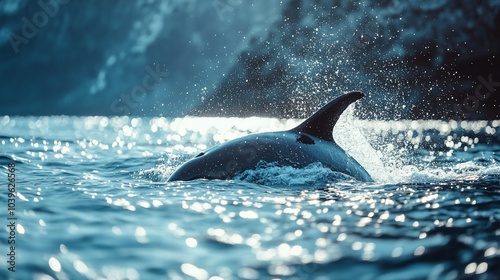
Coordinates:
x,y
94,202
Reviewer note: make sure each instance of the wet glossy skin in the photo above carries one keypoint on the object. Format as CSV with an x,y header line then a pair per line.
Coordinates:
x,y
310,142
284,148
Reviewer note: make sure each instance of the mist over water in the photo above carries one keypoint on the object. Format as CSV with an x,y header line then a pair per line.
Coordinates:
x,y
236,58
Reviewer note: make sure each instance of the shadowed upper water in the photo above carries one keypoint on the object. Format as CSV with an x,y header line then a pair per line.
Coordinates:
x,y
93,203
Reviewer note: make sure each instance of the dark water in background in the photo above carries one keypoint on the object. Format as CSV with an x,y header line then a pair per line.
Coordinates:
x,y
92,203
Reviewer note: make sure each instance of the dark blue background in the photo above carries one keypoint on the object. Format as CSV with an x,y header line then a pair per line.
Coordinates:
x,y
230,57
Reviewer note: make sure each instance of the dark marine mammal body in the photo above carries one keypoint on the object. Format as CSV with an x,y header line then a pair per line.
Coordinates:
x,y
310,142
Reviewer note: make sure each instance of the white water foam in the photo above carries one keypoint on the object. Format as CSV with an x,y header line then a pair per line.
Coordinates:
x,y
312,175
384,148
388,164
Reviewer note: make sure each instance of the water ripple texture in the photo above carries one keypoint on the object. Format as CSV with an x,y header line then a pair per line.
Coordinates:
x,y
93,202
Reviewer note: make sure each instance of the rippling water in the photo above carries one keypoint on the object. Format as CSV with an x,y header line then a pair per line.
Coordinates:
x,y
93,203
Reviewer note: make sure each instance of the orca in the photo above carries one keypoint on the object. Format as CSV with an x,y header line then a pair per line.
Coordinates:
x,y
310,142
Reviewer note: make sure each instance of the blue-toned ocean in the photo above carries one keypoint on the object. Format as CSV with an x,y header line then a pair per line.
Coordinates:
x,y
92,201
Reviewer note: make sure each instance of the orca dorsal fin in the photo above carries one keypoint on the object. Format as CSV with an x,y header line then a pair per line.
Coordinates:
x,y
321,123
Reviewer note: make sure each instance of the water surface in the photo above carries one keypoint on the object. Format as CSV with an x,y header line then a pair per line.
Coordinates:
x,y
93,202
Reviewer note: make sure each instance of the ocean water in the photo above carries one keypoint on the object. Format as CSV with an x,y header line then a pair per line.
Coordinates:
x,y
92,202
